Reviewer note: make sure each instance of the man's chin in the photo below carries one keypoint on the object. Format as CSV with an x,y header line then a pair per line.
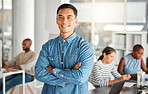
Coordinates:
x,y
64,31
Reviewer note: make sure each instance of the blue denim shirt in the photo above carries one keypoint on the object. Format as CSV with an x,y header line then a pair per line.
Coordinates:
x,y
63,55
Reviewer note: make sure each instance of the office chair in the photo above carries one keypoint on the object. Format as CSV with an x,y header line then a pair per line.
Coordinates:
x,y
21,89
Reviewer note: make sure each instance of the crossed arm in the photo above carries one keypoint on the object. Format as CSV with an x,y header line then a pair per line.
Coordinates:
x,y
44,72
50,68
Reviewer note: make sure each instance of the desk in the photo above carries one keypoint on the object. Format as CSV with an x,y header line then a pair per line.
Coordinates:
x,y
105,90
13,72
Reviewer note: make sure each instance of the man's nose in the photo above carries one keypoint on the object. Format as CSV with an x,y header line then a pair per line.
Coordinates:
x,y
139,56
64,20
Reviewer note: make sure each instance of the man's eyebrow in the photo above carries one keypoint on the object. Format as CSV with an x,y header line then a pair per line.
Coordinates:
x,y
59,15
69,15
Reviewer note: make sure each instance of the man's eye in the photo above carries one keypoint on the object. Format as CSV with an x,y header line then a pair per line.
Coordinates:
x,y
60,17
69,18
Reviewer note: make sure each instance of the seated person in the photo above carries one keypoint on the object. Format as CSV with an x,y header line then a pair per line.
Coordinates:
x,y
133,62
100,75
23,61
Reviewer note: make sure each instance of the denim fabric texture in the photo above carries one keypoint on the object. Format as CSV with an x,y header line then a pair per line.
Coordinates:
x,y
63,54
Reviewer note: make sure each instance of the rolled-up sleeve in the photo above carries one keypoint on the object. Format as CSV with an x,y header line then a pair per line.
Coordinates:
x,y
12,62
44,75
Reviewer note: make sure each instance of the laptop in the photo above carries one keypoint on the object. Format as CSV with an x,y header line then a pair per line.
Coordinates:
x,y
117,87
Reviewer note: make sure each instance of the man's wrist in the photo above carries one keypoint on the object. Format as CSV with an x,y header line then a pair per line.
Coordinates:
x,y
52,70
49,68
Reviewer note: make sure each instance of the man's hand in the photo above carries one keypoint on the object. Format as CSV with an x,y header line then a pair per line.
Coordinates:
x,y
77,65
49,68
4,65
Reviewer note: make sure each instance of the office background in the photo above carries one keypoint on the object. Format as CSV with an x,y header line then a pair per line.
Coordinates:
x,y
116,23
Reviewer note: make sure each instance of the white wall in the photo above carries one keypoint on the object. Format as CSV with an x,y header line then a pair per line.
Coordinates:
x,y
45,21
115,11
23,23
35,19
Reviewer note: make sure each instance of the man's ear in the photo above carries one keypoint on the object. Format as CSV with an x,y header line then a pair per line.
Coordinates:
x,y
57,20
76,21
133,52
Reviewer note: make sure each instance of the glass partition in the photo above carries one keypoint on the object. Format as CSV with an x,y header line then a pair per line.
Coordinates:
x,y
6,28
99,18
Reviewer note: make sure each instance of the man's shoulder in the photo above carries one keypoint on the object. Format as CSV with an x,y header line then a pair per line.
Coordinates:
x,y
52,40
20,53
83,42
33,52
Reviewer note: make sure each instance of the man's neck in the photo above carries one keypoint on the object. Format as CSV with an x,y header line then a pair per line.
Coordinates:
x,y
27,51
66,35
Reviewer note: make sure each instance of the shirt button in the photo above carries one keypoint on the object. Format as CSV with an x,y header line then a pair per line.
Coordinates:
x,y
64,40
55,72
62,75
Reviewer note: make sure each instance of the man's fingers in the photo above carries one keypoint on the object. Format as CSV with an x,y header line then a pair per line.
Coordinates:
x,y
79,63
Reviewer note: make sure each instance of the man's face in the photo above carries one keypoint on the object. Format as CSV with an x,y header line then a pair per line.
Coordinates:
x,y
66,20
25,45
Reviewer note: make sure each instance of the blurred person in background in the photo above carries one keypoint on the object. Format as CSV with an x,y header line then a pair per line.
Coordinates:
x,y
23,61
100,75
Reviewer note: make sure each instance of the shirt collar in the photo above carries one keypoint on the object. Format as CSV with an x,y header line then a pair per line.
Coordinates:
x,y
69,39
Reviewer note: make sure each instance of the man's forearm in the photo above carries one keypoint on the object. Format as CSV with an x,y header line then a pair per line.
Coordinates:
x,y
50,68
15,67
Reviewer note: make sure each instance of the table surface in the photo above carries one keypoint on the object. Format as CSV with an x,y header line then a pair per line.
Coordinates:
x,y
4,74
125,90
105,90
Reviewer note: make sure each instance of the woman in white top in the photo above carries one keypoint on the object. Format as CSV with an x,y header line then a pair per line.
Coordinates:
x,y
100,75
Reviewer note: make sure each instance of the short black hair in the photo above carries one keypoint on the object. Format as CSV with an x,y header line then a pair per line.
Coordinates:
x,y
28,39
137,47
68,6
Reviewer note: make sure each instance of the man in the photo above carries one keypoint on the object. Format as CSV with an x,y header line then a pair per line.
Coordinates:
x,y
65,62
23,61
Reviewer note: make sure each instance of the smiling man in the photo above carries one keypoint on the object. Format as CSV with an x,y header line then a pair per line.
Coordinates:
x,y
65,62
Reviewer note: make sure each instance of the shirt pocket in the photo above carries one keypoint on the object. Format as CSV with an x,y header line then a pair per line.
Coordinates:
x,y
53,60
